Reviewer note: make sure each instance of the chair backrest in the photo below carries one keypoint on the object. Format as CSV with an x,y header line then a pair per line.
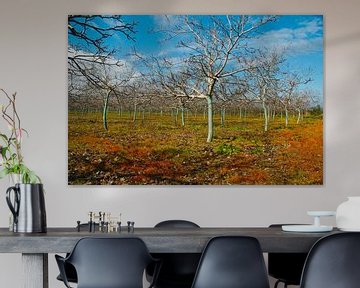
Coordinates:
x,y
176,224
178,269
110,262
232,262
333,262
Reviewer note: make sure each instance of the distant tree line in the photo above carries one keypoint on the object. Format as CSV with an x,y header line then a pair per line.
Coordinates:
x,y
219,73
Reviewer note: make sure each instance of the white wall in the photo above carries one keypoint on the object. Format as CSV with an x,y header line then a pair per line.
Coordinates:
x,y
33,51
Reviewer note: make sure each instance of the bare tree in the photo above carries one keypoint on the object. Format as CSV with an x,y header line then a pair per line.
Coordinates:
x,y
90,58
288,88
301,102
87,42
111,81
216,50
263,81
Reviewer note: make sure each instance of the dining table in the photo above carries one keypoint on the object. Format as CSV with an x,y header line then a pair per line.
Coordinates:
x,y
35,247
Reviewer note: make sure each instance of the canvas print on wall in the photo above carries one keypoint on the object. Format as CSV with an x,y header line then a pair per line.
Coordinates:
x,y
195,99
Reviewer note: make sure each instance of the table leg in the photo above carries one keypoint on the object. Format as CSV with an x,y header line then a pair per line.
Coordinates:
x,y
35,270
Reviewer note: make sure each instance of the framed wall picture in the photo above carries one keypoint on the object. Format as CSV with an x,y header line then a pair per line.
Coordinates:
x,y
195,99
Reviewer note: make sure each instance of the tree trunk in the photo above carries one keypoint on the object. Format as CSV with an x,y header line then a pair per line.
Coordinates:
x,y
176,116
266,116
105,109
182,117
210,119
222,115
299,117
135,112
286,117
269,113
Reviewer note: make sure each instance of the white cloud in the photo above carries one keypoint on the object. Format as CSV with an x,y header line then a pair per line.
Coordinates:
x,y
114,72
302,40
166,21
173,50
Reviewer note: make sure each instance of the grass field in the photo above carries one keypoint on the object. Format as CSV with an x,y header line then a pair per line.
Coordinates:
x,y
157,151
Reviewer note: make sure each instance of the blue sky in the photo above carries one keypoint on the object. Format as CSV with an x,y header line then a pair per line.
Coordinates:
x,y
300,35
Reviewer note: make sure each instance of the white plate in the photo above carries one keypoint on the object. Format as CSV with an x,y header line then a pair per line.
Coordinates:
x,y
306,228
321,213
350,229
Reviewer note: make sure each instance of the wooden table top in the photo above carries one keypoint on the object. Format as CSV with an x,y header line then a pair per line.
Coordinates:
x,y
158,240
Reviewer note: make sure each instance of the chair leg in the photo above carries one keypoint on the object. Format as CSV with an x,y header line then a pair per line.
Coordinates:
x,y
278,282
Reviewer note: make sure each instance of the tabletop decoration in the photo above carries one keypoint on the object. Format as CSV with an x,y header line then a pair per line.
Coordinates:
x,y
315,227
25,197
348,214
12,160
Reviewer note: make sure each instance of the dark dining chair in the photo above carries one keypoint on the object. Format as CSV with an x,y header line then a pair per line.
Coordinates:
x,y
333,262
286,267
70,271
178,269
232,262
108,263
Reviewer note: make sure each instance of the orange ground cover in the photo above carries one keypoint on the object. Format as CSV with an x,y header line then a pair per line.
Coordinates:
x,y
159,151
